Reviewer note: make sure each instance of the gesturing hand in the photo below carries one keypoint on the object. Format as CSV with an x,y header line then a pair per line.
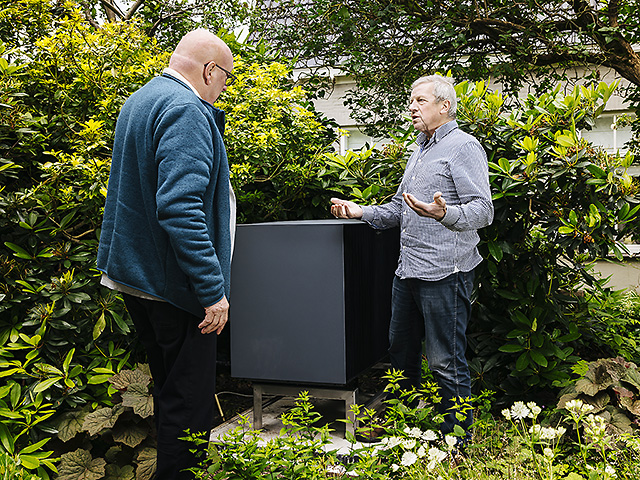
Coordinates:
x,y
436,209
345,209
215,318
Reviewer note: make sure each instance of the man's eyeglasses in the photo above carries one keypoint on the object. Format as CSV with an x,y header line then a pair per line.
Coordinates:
x,y
230,76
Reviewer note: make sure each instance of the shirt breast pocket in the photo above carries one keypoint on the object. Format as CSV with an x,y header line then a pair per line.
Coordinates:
x,y
428,178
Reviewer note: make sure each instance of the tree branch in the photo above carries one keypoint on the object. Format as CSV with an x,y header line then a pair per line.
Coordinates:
x,y
152,31
88,16
612,12
112,11
134,8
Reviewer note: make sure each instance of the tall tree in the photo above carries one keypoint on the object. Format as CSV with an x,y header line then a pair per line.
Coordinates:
x,y
385,44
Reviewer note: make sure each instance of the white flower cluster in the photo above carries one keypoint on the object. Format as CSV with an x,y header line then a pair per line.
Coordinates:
x,y
417,438
595,426
546,433
408,459
520,411
578,407
609,471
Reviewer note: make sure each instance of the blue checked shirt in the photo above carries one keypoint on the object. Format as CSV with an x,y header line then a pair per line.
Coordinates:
x,y
454,163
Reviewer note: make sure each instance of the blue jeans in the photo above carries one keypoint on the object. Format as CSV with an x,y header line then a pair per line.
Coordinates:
x,y
438,313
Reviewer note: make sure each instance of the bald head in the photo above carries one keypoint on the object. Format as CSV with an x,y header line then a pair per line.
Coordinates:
x,y
195,50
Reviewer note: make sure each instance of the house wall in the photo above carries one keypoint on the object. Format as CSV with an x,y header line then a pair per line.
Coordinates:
x,y
622,275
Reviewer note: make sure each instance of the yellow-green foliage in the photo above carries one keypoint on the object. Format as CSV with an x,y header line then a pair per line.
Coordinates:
x,y
23,21
82,73
273,140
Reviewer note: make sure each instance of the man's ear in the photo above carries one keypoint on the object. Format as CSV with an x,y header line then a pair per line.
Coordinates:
x,y
446,105
206,74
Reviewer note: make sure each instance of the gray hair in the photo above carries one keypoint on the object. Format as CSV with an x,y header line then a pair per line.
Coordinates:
x,y
442,90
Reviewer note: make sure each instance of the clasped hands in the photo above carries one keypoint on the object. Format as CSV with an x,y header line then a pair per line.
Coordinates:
x,y
436,209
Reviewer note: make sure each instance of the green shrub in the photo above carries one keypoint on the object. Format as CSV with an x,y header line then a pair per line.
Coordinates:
x,y
11,470
116,441
560,203
274,141
62,335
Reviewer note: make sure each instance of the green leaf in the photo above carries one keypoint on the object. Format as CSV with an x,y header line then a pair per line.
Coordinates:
x,y
50,369
504,164
102,419
78,297
596,171
566,141
5,412
508,295
80,465
98,379
122,325
36,446
70,424
586,386
570,337
521,319
539,358
495,250
517,333
46,384
65,221
523,362
19,251
122,380
139,398
6,438
67,361
130,434
511,348
11,371
29,461
99,327
113,472
146,461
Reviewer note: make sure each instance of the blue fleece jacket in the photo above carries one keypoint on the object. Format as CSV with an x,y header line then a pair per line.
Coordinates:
x,y
165,230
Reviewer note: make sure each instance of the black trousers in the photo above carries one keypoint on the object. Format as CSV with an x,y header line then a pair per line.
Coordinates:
x,y
183,365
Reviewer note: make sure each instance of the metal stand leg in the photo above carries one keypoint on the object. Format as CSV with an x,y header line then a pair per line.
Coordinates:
x,y
349,401
257,406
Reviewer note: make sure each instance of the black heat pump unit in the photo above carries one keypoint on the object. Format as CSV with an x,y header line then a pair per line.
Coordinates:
x,y
310,300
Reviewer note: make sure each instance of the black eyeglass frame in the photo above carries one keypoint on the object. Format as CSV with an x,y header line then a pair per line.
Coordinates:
x,y
230,76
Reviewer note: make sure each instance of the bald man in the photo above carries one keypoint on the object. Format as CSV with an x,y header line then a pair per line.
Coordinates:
x,y
166,237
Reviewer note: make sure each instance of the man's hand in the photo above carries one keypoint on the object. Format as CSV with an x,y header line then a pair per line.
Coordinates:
x,y
215,318
345,209
437,209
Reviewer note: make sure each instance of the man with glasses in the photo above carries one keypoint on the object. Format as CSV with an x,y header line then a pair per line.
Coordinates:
x,y
166,237
443,199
